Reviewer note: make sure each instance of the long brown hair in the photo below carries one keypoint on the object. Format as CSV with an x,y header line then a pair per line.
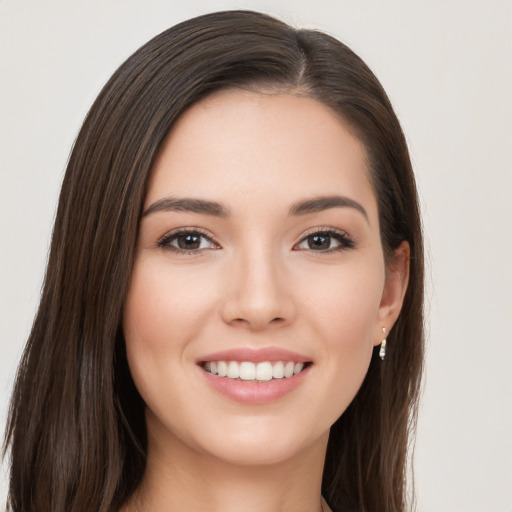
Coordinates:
x,y
76,429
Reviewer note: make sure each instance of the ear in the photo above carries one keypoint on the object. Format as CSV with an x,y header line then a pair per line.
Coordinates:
x,y
397,279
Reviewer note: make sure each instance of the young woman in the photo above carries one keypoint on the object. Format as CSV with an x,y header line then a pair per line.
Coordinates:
x,y
232,311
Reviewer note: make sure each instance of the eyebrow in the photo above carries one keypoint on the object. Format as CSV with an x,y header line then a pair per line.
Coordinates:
x,y
188,205
324,203
205,207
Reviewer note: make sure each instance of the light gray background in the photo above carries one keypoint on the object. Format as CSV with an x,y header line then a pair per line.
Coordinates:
x,y
447,66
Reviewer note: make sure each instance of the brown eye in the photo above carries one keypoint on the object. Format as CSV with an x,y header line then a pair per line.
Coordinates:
x,y
187,242
319,242
326,241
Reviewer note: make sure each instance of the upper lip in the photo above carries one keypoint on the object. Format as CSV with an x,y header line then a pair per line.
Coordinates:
x,y
271,354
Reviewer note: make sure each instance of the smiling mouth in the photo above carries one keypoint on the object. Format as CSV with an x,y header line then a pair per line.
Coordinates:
x,y
254,372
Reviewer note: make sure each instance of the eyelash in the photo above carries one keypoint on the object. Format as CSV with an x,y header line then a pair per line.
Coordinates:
x,y
165,241
345,241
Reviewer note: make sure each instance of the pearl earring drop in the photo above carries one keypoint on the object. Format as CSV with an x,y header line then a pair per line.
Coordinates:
x,y
382,351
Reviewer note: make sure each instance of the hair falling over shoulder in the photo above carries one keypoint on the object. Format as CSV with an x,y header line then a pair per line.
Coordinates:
x,y
76,434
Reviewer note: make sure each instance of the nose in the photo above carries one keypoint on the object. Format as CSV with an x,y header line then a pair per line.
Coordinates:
x,y
258,294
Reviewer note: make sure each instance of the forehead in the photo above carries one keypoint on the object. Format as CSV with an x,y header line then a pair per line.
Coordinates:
x,y
238,144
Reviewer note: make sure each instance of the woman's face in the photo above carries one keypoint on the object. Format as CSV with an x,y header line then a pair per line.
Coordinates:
x,y
258,252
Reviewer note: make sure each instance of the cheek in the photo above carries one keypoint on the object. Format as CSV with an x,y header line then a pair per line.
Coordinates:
x,y
165,309
343,311
164,305
345,304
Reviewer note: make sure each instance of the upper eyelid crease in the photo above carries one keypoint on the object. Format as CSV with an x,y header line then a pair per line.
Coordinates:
x,y
216,209
324,229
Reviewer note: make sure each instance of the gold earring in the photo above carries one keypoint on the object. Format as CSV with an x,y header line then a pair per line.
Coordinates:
x,y
382,351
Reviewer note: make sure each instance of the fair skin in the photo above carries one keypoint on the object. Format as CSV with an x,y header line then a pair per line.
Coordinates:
x,y
254,274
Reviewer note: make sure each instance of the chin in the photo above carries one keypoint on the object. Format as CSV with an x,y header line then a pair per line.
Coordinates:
x,y
249,452
262,444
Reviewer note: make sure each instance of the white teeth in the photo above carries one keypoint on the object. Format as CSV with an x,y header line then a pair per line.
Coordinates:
x,y
264,371
297,368
222,368
233,370
247,370
278,370
288,369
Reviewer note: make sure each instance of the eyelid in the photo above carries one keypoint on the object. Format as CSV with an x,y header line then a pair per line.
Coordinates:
x,y
162,242
346,241
323,229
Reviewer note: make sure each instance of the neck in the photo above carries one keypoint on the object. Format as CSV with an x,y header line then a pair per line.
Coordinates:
x,y
189,480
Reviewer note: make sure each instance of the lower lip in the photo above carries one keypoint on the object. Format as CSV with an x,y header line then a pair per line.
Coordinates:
x,y
249,392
